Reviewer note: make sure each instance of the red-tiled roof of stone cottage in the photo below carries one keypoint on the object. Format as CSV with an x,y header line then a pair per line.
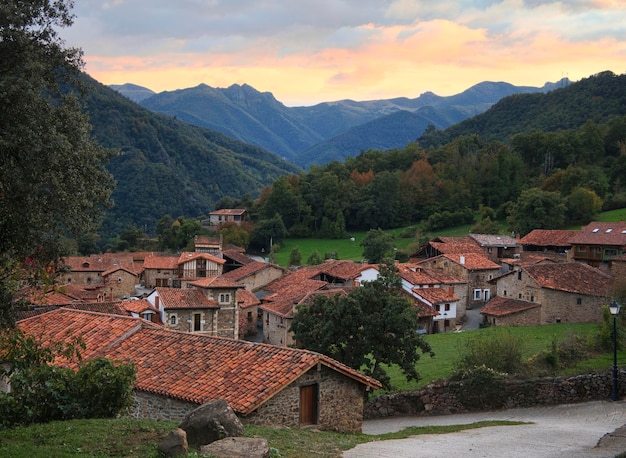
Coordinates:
x,y
246,299
282,302
425,310
100,262
215,282
161,262
184,298
238,256
252,268
343,269
472,261
436,295
192,255
502,306
600,233
572,277
456,245
188,367
115,269
416,276
138,306
548,237
533,257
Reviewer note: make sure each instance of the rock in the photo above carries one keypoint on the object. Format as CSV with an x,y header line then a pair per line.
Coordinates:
x,y
210,422
238,447
175,444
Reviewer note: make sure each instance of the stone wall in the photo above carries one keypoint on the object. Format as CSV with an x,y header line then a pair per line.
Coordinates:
x,y
161,408
449,397
340,403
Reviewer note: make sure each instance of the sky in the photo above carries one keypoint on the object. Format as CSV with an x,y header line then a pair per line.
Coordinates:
x,y
310,51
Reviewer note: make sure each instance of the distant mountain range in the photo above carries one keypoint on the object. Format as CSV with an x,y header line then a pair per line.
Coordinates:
x,y
327,131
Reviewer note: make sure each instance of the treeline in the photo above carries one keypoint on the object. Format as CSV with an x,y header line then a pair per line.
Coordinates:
x,y
571,174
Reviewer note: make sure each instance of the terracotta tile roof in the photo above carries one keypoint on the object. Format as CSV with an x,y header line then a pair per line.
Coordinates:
x,y
573,277
246,299
548,237
117,269
184,366
161,262
238,256
343,269
246,270
599,233
502,306
456,245
533,257
472,261
283,301
138,306
229,211
415,276
425,310
100,262
494,240
436,295
111,308
184,298
82,293
215,282
191,255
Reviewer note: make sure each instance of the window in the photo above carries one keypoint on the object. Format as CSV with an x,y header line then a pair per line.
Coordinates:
x,y
447,307
519,274
172,319
532,298
197,322
249,316
477,294
224,298
579,301
438,307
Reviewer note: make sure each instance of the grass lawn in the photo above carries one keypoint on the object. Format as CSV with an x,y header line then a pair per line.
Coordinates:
x,y
140,438
449,346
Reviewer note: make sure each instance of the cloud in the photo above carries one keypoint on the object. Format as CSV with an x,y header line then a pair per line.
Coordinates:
x,y
315,50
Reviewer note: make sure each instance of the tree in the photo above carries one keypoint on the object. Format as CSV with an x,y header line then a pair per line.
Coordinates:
x,y
537,209
295,257
377,246
314,258
372,326
53,181
582,205
268,232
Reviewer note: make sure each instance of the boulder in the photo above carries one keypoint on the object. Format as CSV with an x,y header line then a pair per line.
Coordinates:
x,y
175,444
210,422
237,447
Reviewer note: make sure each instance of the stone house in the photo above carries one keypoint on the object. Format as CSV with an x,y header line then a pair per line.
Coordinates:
x,y
194,266
445,245
548,240
255,275
113,274
570,292
227,215
160,271
598,243
141,308
249,322
474,270
264,384
198,310
496,247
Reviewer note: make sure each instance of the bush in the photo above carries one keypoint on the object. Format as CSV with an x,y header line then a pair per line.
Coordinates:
x,y
499,351
479,387
43,392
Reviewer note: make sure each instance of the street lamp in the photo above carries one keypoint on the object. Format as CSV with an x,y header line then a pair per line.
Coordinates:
x,y
614,308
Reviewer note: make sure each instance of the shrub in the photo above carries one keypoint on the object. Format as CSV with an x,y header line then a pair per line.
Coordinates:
x,y
499,351
479,387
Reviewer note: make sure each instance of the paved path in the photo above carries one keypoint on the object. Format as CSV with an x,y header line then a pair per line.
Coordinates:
x,y
572,431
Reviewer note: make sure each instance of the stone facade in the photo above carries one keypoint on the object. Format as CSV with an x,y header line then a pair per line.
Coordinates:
x,y
339,407
443,398
340,403
531,317
154,407
160,278
276,329
556,306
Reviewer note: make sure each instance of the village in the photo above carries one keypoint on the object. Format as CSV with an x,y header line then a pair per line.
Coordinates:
x,y
215,323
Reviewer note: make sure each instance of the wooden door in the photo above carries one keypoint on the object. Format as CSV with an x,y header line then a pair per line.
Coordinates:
x,y
308,404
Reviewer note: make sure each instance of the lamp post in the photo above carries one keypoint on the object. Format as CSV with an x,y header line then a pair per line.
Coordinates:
x,y
614,308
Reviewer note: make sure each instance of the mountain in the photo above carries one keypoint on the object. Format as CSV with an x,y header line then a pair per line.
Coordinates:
x,y
324,132
132,91
169,167
596,98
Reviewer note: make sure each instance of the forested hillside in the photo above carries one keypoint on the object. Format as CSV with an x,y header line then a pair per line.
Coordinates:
x,y
327,131
535,178
168,167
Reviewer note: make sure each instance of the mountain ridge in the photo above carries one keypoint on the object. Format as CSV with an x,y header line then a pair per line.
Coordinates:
x,y
306,135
